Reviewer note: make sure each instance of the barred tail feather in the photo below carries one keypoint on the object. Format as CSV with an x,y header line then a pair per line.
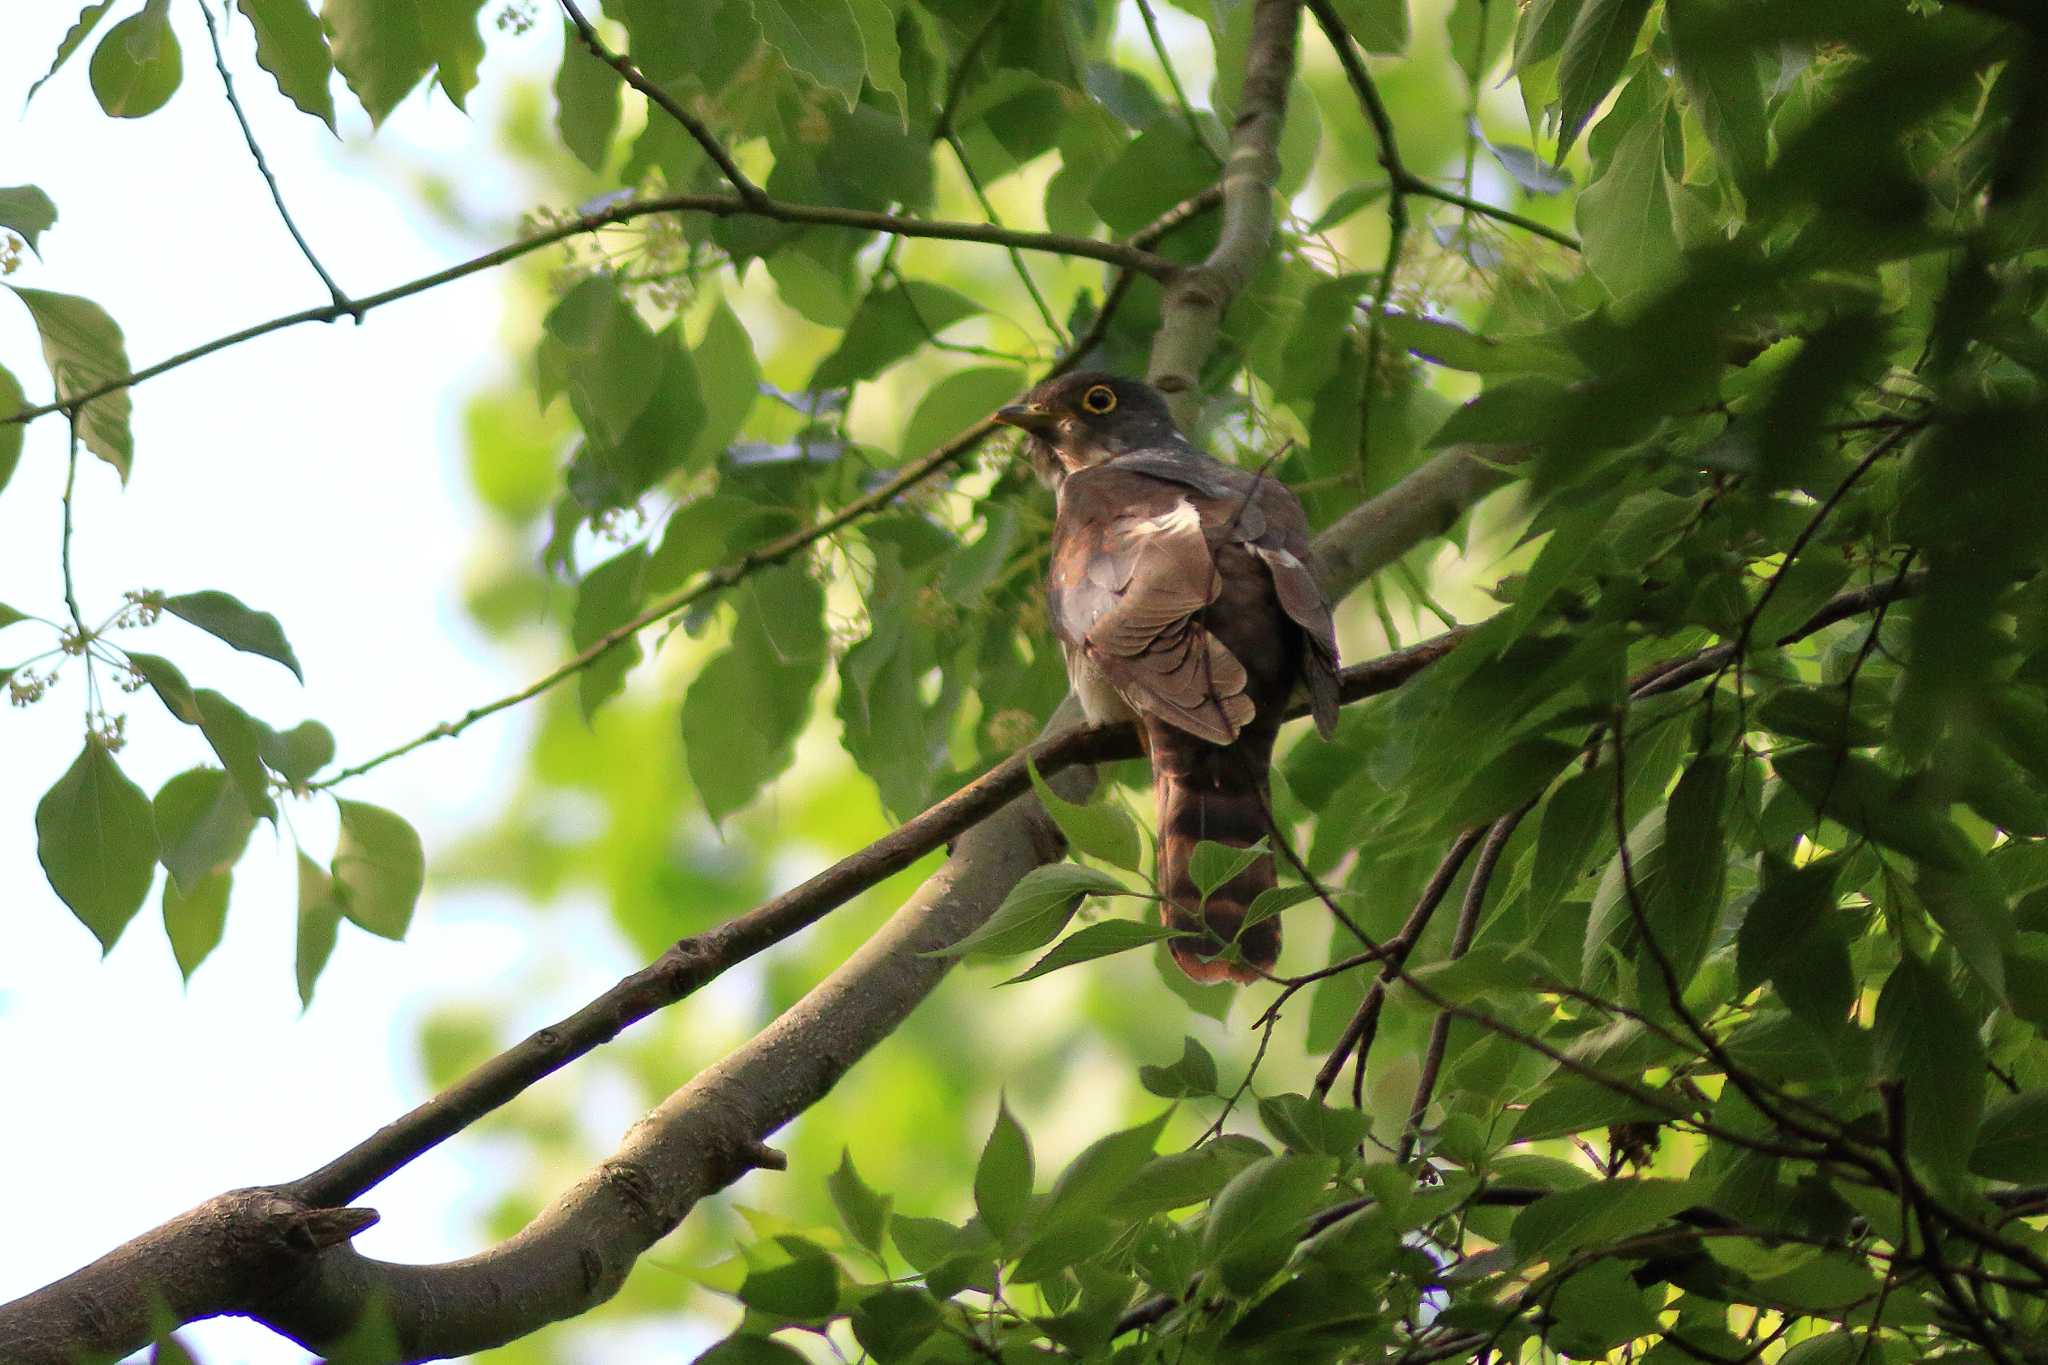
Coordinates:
x,y
1214,792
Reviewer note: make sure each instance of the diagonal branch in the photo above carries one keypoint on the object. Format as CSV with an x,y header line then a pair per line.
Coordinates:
x,y
632,75
1125,255
227,83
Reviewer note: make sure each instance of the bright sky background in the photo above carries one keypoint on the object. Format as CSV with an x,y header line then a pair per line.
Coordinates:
x,y
315,474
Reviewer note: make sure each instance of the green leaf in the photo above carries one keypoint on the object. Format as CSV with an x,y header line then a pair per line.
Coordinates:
x,y
587,95
744,711
96,840
74,37
877,19
804,1287
13,433
137,65
169,684
226,619
727,378
1193,1074
1092,1181
1275,899
607,598
292,47
235,738
2012,1143
1002,1178
1516,775
1572,1104
864,1212
1790,938
1853,790
1602,1212
1595,50
202,826
383,50
1625,216
820,38
891,1324
891,323
1104,830
1037,908
1308,1125
195,922
1378,25
1928,1044
1254,1219
83,349
298,753
379,869
1213,864
956,403
319,921
597,349
1097,940
1575,818
749,1350
1721,78
25,211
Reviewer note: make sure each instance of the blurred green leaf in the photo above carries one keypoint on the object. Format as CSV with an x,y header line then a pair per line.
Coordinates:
x,y
1596,48
1930,1046
202,825
81,29
319,920
1193,1074
1103,830
1002,1179
226,619
587,97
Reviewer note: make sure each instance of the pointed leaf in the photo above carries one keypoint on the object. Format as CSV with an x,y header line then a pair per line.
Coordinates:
x,y
1597,1213
84,350
235,738
74,37
291,46
1595,50
26,212
1928,1044
1103,830
864,1212
319,921
820,38
226,619
195,922
1212,864
1193,1074
1037,908
1002,1178
169,685
1097,940
96,840
587,96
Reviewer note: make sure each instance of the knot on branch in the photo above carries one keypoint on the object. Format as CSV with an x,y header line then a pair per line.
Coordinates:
x,y
760,1156
635,1186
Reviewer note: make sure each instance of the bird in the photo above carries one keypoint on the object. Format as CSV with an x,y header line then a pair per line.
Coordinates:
x,y
1182,592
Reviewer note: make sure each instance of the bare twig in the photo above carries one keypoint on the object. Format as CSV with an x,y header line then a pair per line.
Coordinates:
x,y
632,75
1461,938
227,82
1121,254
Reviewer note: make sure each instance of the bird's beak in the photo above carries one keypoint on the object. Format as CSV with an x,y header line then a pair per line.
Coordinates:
x,y
1032,417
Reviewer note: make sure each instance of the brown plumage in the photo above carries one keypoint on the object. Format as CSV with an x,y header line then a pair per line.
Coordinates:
x,y
1181,591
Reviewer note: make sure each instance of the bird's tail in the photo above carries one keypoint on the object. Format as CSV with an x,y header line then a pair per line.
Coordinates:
x,y
1219,793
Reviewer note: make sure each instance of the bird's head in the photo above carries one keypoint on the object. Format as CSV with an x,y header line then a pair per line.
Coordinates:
x,y
1084,419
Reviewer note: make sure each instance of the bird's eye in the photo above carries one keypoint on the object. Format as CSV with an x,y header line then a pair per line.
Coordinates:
x,y
1099,399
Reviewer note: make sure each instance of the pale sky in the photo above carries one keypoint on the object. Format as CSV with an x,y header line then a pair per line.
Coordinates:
x,y
316,474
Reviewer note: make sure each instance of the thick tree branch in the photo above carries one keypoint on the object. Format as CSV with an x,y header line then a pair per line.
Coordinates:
x,y
1427,503
1125,255
1191,313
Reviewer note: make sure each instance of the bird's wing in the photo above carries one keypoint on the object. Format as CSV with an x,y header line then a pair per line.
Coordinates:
x,y
1131,572
1284,547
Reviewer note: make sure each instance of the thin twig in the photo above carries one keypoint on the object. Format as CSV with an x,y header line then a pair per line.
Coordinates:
x,y
988,210
632,75
1196,132
1124,254
227,82
1461,938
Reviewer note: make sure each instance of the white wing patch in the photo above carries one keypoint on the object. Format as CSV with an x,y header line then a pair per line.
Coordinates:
x,y
1183,519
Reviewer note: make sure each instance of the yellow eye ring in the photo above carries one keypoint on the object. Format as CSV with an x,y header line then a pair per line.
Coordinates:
x,y
1099,399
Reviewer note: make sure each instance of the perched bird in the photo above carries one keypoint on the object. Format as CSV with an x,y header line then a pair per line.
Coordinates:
x,y
1181,592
